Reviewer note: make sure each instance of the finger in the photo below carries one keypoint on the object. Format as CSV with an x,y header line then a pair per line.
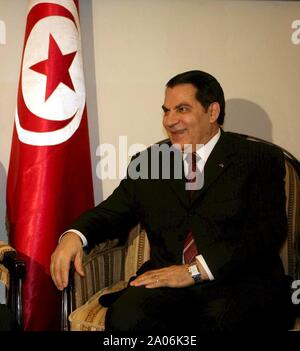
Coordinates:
x,y
57,274
64,273
141,281
141,278
52,270
145,279
78,265
158,283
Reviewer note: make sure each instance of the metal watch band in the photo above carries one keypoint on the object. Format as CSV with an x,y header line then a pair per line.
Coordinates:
x,y
196,275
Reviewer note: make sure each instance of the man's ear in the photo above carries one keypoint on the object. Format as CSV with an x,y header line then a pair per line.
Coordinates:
x,y
214,111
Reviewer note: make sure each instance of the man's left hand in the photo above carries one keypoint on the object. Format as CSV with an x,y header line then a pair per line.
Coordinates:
x,y
172,277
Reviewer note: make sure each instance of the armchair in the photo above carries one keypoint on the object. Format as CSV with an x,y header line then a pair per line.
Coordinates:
x,y
12,272
108,267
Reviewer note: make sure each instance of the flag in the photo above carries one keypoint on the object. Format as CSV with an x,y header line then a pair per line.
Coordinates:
x,y
49,178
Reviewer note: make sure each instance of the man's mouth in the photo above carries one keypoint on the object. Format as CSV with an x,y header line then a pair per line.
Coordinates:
x,y
177,132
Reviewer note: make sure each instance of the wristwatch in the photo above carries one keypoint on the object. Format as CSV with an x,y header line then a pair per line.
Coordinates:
x,y
195,274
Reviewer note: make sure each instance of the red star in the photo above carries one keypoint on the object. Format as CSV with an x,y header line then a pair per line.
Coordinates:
x,y
56,68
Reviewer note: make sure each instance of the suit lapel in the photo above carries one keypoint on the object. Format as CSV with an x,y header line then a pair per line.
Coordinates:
x,y
218,161
178,183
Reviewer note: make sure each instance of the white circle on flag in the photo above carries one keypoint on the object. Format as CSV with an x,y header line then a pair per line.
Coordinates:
x,y
63,103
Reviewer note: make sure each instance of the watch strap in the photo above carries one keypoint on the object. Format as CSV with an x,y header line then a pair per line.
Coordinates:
x,y
195,274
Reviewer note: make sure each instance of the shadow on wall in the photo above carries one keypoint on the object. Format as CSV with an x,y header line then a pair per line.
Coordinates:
x,y
86,20
3,233
246,117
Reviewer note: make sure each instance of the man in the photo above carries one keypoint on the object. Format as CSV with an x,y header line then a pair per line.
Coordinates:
x,y
231,226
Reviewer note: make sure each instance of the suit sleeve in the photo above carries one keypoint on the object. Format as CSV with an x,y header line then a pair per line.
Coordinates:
x,y
265,227
112,218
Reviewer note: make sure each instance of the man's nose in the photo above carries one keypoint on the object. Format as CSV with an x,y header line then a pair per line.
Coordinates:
x,y
171,118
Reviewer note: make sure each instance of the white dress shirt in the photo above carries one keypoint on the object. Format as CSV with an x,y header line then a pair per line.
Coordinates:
x,y
203,152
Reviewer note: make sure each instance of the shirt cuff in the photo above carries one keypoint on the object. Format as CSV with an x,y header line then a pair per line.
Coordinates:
x,y
82,237
205,266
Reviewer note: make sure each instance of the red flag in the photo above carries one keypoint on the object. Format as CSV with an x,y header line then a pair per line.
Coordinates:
x,y
49,178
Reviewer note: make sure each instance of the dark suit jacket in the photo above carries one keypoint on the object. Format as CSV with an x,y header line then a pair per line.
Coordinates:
x,y
238,218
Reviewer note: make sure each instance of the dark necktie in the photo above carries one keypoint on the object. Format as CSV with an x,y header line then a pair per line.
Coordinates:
x,y
189,246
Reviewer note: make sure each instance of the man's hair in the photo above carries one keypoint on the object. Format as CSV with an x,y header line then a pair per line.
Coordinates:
x,y
208,88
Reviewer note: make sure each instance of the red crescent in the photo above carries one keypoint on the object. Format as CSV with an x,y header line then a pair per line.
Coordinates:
x,y
28,120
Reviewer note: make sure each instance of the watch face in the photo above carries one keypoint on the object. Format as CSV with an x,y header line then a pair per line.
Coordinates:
x,y
193,269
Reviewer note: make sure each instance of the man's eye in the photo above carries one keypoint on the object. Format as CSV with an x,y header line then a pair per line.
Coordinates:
x,y
183,109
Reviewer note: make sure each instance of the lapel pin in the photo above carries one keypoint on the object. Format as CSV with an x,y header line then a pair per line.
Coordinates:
x,y
221,165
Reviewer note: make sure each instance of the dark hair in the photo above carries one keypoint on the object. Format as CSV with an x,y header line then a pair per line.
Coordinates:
x,y
208,88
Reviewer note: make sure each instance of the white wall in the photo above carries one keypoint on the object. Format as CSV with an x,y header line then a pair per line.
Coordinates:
x,y
140,44
10,60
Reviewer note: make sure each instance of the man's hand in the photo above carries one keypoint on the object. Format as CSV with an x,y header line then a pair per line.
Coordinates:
x,y
69,249
172,277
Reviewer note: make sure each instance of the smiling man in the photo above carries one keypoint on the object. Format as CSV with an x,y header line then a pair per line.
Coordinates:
x,y
214,247
186,120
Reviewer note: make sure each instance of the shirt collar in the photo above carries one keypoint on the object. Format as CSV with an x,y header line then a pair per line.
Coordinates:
x,y
205,150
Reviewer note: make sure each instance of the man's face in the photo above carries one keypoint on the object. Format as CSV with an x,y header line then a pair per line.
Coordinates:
x,y
185,119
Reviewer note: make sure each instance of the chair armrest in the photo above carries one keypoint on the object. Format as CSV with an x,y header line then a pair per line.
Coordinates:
x,y
16,268
103,266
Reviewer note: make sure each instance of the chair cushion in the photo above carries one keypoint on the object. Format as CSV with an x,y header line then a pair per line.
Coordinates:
x,y
4,248
91,315
4,275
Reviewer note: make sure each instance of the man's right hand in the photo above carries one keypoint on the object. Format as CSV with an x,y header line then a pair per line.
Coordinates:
x,y
69,249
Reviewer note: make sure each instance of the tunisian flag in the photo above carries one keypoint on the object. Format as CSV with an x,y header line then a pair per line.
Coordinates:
x,y
49,178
